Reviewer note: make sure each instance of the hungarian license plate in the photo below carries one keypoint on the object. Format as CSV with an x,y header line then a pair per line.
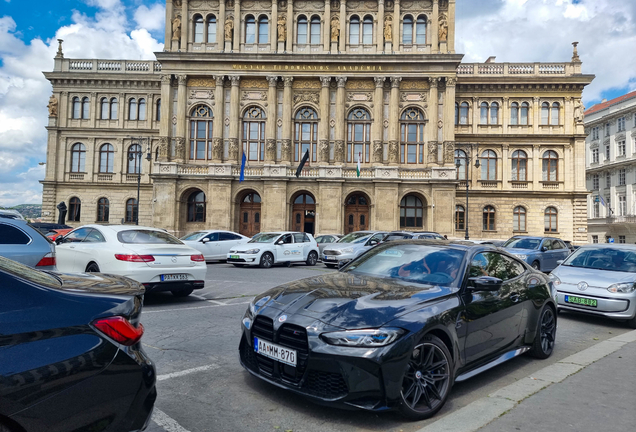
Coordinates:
x,y
329,258
581,301
276,352
234,257
174,277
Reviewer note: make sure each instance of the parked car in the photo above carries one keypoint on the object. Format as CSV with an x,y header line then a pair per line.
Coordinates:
x,y
570,246
326,239
350,246
152,257
404,235
214,244
599,279
21,242
274,248
55,233
45,227
383,332
11,214
542,253
71,356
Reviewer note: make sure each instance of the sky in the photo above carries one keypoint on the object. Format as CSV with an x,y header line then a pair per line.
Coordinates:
x,y
511,30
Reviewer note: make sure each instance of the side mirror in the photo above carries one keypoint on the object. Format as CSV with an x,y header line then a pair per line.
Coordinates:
x,y
205,240
373,242
59,240
279,242
486,283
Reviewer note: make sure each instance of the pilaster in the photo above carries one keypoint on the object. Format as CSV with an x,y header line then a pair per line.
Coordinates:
x,y
270,128
168,30
326,24
286,149
379,39
377,126
238,30
273,29
451,26
434,25
433,131
220,30
289,42
396,25
323,127
394,120
185,24
536,113
339,151
181,117
217,142
449,109
343,26
234,154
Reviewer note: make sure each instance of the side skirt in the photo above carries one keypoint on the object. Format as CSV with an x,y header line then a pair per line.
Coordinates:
x,y
499,360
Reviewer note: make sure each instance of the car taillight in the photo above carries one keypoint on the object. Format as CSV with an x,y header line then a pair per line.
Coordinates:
x,y
47,260
120,329
197,258
135,258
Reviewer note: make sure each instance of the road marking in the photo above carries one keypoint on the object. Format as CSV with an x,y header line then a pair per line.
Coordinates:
x,y
216,302
198,296
187,372
146,311
166,422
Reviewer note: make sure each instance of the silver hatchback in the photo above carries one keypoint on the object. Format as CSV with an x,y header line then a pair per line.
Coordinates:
x,y
20,242
599,279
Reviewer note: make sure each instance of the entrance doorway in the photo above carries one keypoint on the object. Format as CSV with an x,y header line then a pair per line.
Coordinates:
x,y
250,215
304,214
356,213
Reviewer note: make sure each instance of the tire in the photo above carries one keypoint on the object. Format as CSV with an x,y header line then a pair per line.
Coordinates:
x,y
267,260
238,265
535,265
92,268
631,323
312,258
545,336
427,379
182,293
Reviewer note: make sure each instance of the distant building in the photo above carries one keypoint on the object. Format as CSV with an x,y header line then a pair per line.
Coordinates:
x,y
610,160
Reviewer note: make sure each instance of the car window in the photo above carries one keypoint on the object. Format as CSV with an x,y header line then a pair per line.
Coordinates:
x,y
265,238
522,243
495,265
94,236
558,244
12,235
141,236
286,239
225,236
234,236
352,237
299,237
377,237
77,236
395,236
610,259
193,236
213,237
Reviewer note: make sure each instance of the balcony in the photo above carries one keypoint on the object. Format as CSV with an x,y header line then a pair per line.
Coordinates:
x,y
517,69
108,66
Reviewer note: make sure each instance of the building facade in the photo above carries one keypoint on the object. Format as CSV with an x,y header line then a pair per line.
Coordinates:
x,y
375,83
611,170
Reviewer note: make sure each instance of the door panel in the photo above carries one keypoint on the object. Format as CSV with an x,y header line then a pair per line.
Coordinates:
x,y
250,215
66,253
356,214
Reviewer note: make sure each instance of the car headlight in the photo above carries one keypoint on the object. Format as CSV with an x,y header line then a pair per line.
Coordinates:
x,y
347,250
555,280
523,257
370,338
252,251
232,251
625,287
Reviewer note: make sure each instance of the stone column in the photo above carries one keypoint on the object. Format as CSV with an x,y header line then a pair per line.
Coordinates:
x,y
433,133
273,28
536,114
168,33
289,42
340,131
286,149
219,103
270,128
166,115
377,127
535,169
394,151
449,109
343,27
396,25
93,111
451,26
185,26
505,115
567,114
180,147
234,155
505,167
434,25
220,27
326,33
238,31
379,34
323,127
476,114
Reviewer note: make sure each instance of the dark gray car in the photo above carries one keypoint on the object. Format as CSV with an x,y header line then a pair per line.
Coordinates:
x,y
22,243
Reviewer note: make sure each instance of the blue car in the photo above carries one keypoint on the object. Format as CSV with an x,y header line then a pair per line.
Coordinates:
x,y
542,253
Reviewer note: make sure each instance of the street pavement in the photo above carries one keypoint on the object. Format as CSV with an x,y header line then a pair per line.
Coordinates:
x,y
193,342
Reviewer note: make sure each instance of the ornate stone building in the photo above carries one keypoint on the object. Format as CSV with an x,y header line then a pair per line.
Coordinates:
x,y
371,80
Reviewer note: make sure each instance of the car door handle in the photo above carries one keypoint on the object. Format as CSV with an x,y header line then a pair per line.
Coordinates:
x,y
514,297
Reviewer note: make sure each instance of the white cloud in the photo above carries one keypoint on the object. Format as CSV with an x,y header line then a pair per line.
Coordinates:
x,y
151,18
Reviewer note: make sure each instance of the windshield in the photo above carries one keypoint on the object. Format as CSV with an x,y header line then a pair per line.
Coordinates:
x,y
522,243
23,272
146,237
265,238
390,237
352,237
603,259
412,263
193,236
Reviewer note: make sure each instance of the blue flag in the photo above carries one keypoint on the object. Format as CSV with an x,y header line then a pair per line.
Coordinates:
x,y
602,201
243,160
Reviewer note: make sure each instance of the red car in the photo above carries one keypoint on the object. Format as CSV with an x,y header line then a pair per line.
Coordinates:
x,y
55,233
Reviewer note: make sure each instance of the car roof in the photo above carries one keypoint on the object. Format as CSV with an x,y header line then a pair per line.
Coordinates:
x,y
456,244
119,228
609,245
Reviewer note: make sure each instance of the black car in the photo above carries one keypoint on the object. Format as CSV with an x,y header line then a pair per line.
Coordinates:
x,y
70,353
399,325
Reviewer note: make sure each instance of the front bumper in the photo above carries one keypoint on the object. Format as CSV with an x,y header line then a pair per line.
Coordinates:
x,y
245,259
607,306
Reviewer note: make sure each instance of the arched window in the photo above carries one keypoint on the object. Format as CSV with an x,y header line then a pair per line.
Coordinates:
x,y
250,29
460,217
306,134
198,29
74,209
158,111
263,30
519,219
254,134
525,109
211,29
142,109
489,165
134,159
196,207
113,109
77,108
86,109
315,30
304,199
489,218
494,113
132,109
407,30
462,158
78,158
551,220
354,30
463,113
302,29
483,118
550,166
554,114
519,166
103,209
514,114
545,113
367,30
359,135
201,127
106,158
420,30
412,136
105,109
131,211
411,212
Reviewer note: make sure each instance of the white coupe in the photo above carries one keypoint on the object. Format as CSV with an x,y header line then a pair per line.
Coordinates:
x,y
214,244
268,249
152,257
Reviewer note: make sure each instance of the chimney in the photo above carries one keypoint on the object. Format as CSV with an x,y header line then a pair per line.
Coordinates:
x,y
491,59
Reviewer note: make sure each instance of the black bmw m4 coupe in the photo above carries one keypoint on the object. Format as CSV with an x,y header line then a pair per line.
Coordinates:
x,y
399,325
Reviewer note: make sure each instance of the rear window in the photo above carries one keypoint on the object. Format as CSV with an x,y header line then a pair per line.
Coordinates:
x,y
10,235
146,237
352,237
391,237
27,273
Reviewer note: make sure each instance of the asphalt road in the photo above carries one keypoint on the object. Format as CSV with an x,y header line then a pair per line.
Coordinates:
x,y
194,344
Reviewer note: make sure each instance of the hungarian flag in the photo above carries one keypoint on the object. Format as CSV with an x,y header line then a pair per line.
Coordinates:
x,y
358,167
243,160
302,163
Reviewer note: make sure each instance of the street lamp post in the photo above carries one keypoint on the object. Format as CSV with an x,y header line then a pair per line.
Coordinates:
x,y
458,165
137,155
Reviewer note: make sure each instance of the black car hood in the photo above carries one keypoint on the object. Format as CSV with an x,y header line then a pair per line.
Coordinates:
x,y
348,300
99,283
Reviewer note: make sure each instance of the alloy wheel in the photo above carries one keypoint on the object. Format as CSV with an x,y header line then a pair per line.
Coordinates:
x,y
267,260
548,330
427,379
312,259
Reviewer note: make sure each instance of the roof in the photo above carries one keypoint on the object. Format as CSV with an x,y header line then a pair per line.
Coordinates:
x,y
601,106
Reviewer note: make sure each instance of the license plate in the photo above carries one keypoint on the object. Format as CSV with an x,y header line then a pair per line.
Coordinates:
x,y
234,257
276,352
174,277
581,301
329,258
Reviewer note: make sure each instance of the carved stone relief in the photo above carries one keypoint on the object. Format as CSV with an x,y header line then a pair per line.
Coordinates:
x,y
360,85
233,149
323,150
449,152
393,152
305,84
432,151
413,97
254,83
217,148
306,97
339,151
414,85
378,151
359,97
285,150
253,95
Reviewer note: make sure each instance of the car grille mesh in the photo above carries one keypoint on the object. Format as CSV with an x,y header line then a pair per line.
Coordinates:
x,y
326,385
331,252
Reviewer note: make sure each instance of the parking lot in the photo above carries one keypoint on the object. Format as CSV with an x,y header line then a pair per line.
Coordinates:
x,y
202,387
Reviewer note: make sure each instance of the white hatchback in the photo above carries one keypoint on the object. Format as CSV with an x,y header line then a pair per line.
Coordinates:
x,y
152,257
267,249
214,244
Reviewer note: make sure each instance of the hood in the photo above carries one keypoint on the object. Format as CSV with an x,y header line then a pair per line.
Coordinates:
x,y
516,251
593,277
97,283
350,301
341,246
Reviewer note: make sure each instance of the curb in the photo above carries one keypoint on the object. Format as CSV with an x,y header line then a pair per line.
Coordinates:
x,y
478,414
